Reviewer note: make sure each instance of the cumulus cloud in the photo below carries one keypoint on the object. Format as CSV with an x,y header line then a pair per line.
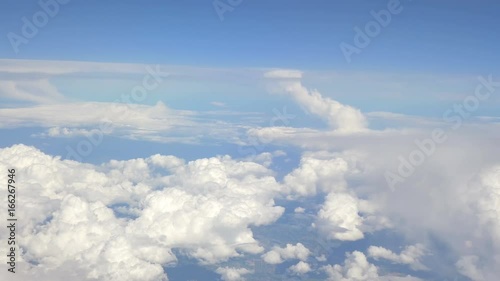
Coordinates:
x,y
135,212
317,174
356,267
232,274
341,118
300,268
441,193
342,216
410,255
278,255
204,208
299,210
339,218
321,258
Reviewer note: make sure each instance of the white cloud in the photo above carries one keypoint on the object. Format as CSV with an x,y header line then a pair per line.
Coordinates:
x,y
339,218
284,74
156,123
458,185
410,255
300,268
483,196
468,266
443,192
343,216
317,173
203,207
356,267
278,255
68,132
232,274
321,258
265,158
341,118
299,210
35,91
157,117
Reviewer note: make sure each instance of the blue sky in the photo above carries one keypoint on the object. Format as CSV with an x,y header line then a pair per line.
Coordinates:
x,y
248,145
428,36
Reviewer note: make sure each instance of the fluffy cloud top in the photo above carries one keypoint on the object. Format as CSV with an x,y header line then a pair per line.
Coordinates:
x,y
339,217
278,255
300,268
356,267
410,255
316,174
204,207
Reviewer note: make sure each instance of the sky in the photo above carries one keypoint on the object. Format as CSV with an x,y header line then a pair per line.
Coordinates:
x,y
251,140
444,37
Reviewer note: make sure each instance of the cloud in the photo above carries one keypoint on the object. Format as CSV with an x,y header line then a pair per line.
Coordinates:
x,y
284,74
158,117
484,198
317,173
232,274
356,267
299,210
300,268
339,218
157,123
468,266
342,216
68,132
39,91
441,193
278,255
66,67
225,199
218,104
410,255
341,118
205,208
321,258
